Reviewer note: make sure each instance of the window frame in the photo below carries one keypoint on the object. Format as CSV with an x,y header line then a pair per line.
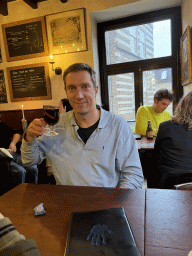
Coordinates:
x,y
173,61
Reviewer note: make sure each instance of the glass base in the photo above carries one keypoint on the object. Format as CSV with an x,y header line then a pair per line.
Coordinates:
x,y
50,131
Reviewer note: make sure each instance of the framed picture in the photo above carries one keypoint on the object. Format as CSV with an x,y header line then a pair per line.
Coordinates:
x,y
3,93
25,39
0,55
186,67
29,82
66,32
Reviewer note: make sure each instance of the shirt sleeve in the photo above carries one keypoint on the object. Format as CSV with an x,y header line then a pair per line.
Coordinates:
x,y
128,161
141,121
12,241
31,153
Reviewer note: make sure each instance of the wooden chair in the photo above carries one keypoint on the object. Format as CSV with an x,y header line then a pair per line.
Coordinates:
x,y
183,186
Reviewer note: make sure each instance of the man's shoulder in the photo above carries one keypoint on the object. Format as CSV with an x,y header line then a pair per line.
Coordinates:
x,y
112,119
166,113
66,117
5,127
144,108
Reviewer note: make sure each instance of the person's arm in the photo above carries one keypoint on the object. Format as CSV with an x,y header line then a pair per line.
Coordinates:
x,y
141,121
33,150
128,161
155,159
13,243
12,147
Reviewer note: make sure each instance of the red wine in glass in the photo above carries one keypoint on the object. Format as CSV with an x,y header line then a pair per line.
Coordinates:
x,y
51,117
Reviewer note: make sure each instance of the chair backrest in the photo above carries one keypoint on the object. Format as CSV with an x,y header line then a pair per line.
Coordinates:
x,y
184,186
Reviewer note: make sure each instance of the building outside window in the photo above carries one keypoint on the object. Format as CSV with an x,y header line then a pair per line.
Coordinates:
x,y
137,60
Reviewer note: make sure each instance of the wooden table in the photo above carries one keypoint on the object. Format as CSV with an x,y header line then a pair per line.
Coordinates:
x,y
50,230
168,230
146,144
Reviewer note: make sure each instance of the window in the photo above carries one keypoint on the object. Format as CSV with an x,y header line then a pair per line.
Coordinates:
x,y
139,55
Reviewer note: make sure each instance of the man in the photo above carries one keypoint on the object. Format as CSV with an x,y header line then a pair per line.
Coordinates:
x,y
156,113
94,147
18,173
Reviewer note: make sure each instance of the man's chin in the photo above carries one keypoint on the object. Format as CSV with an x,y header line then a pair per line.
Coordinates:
x,y
81,111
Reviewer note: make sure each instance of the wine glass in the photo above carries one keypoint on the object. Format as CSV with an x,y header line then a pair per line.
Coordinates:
x,y
51,117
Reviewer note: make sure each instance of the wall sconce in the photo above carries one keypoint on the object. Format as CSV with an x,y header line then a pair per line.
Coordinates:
x,y
58,70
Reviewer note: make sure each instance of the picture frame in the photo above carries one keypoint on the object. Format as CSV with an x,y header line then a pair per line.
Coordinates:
x,y
0,55
3,92
186,58
66,32
29,82
25,39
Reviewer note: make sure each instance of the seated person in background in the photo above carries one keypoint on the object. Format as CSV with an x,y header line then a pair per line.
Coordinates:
x,y
94,147
13,243
173,147
156,113
19,172
64,106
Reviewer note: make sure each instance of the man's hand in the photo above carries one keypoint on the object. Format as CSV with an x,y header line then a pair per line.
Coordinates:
x,y
35,129
12,148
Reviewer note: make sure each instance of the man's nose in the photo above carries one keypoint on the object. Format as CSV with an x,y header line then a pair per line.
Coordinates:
x,y
79,93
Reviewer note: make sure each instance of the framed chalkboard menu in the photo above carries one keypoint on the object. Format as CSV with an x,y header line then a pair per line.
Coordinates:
x,y
29,82
25,39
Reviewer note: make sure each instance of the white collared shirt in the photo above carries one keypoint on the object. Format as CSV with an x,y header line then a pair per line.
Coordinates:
x,y
108,159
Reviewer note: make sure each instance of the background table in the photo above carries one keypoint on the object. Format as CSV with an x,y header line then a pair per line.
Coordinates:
x,y
50,230
168,228
146,144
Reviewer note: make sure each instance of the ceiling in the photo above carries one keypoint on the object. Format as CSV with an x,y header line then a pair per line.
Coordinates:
x,y
130,9
32,3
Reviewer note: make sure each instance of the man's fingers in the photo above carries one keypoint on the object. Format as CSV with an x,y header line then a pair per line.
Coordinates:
x,y
35,129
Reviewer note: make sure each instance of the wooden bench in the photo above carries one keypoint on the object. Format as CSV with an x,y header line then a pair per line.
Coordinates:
x,y
13,118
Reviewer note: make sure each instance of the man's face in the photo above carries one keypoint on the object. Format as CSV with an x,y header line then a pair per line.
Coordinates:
x,y
160,105
81,92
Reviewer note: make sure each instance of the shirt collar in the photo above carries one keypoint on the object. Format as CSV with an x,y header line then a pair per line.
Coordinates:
x,y
103,118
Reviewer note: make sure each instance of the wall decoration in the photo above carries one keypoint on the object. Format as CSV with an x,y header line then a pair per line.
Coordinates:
x,y
3,93
29,82
186,64
25,39
0,56
66,32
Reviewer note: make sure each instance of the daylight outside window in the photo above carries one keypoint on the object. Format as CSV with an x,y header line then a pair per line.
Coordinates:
x,y
130,44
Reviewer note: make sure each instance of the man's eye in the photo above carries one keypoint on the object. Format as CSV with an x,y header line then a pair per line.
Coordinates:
x,y
85,86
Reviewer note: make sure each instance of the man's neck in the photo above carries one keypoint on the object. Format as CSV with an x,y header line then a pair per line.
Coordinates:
x,y
88,119
153,107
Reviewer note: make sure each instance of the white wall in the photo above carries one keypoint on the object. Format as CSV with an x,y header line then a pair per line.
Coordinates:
x,y
19,10
187,21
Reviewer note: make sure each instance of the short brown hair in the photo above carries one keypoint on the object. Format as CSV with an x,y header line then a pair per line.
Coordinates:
x,y
80,67
163,94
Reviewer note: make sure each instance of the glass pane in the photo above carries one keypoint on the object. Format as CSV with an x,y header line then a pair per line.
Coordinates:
x,y
122,96
147,41
154,80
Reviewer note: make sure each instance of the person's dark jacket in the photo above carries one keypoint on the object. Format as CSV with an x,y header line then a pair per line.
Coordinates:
x,y
12,243
173,155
